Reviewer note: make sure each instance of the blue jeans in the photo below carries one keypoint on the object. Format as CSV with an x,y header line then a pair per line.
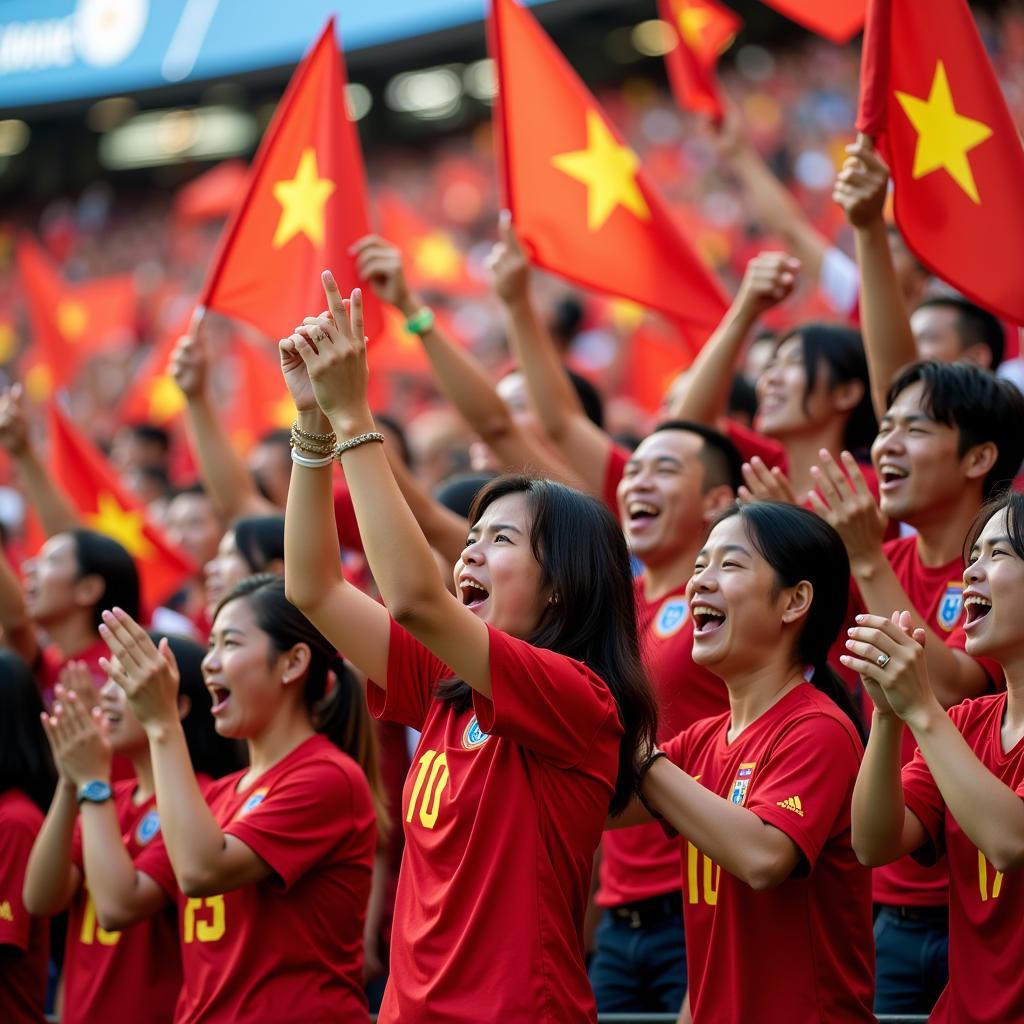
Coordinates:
x,y
639,970
911,963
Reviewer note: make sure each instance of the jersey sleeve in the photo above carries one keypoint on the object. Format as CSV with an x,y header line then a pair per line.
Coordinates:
x,y
155,862
750,443
807,781
613,470
413,673
839,281
544,701
16,838
304,817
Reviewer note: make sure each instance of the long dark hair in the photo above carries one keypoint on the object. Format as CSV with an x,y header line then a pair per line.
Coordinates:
x,y
333,697
211,754
100,555
839,352
25,761
799,545
260,540
584,562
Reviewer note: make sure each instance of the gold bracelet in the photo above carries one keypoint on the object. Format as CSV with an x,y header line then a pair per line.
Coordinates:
x,y
310,446
328,438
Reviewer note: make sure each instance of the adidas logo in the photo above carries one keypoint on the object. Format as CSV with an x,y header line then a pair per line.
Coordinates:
x,y
5,911
792,803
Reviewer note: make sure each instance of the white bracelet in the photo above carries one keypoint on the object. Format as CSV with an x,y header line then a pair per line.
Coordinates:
x,y
302,460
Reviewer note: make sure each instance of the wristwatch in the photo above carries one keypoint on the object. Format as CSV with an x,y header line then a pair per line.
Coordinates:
x,y
94,792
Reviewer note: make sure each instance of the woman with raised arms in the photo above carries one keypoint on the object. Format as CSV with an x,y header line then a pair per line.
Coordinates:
x,y
527,690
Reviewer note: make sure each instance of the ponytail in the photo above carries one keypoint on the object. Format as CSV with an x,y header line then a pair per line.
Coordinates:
x,y
341,715
823,678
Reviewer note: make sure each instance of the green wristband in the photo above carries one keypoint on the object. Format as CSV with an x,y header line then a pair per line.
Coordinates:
x,y
421,321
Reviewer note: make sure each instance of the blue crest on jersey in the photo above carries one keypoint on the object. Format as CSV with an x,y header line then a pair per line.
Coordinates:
x,y
147,827
671,617
474,736
951,605
254,801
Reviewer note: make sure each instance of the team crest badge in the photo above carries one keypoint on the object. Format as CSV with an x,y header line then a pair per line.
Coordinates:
x,y
147,827
254,800
671,617
740,785
951,605
473,736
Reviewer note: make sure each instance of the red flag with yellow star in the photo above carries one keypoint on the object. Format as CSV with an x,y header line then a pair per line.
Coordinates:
x,y
153,396
431,258
838,20
70,322
579,198
930,99
305,205
705,29
105,506
261,401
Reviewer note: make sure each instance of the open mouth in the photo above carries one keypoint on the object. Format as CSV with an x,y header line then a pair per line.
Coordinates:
x,y
641,512
892,474
976,608
111,717
706,619
472,594
220,695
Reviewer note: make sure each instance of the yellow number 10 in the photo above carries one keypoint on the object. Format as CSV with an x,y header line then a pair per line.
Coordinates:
x,y
436,766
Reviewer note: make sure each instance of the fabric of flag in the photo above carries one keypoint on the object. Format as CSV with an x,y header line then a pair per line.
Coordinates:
x,y
432,260
104,505
70,322
656,354
261,401
305,205
580,201
153,396
838,20
705,29
931,100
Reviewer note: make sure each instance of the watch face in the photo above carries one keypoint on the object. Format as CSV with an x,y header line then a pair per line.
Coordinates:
x,y
95,791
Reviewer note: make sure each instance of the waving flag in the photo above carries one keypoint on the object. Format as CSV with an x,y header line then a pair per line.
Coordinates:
x,y
838,20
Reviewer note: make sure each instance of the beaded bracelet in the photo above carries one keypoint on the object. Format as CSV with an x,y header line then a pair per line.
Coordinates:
x,y
355,442
421,321
329,438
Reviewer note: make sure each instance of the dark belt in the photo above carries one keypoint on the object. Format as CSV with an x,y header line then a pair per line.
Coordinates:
x,y
934,916
649,912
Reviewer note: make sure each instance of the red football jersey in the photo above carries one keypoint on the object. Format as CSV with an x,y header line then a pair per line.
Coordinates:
x,y
503,810
24,940
986,907
641,862
802,952
937,595
129,975
289,948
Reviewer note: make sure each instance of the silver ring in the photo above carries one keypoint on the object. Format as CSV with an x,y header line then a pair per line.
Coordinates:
x,y
882,660
317,333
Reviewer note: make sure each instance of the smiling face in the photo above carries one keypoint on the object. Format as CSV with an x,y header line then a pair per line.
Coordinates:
x,y
785,406
126,735
661,494
52,589
916,459
497,576
224,571
740,613
243,672
994,580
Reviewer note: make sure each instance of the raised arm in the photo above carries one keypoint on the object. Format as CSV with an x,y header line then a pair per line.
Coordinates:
x,y
16,629
989,812
888,341
334,352
582,444
52,505
51,879
224,474
769,279
466,383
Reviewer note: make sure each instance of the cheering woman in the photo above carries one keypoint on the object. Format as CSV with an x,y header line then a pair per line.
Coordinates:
x,y
777,910
526,688
962,792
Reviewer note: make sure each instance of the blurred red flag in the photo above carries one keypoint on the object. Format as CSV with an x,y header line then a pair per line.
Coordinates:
x,y
305,205
838,20
657,355
105,506
153,396
432,259
212,194
578,196
70,322
261,400
705,29
931,100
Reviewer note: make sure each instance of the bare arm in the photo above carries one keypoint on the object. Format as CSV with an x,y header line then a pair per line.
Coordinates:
x,y
770,278
225,476
51,880
18,632
582,444
888,341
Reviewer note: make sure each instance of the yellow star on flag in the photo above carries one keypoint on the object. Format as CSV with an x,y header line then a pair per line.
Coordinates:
x,y
435,256
39,382
7,342
692,22
609,172
944,137
165,399
302,202
124,525
283,411
71,319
